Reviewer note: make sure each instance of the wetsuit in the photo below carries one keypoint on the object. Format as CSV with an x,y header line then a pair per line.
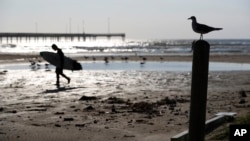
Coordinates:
x,y
59,70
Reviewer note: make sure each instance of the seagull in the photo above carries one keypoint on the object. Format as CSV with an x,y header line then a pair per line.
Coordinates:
x,y
201,28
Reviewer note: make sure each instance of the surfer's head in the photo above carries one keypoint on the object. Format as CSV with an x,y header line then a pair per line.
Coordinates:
x,y
54,47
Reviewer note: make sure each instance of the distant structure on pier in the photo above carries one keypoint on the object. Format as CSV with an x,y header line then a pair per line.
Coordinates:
x,y
18,37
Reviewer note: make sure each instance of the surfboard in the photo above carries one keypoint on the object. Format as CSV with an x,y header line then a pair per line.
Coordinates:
x,y
54,59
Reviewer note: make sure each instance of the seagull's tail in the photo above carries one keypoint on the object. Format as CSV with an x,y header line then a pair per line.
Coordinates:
x,y
218,28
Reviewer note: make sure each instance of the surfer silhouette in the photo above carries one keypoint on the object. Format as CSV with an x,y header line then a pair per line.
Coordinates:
x,y
59,70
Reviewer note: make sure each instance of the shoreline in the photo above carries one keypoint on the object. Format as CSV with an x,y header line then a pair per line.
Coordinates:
x,y
16,58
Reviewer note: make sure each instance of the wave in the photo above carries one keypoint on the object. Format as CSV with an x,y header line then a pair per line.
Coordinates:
x,y
225,46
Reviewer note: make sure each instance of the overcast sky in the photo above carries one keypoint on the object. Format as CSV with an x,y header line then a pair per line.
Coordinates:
x,y
139,19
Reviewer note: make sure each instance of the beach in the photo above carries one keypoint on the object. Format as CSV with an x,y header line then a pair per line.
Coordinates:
x,y
111,105
123,70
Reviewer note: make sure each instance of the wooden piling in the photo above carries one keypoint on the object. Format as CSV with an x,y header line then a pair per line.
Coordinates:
x,y
199,84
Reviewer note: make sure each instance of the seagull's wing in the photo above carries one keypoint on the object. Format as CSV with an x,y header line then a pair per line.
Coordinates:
x,y
204,28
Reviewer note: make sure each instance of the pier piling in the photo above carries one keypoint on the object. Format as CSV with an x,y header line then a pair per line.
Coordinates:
x,y
57,36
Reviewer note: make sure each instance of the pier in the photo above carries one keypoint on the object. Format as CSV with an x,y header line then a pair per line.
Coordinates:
x,y
18,37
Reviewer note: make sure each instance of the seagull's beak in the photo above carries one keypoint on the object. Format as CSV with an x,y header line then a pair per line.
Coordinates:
x,y
189,18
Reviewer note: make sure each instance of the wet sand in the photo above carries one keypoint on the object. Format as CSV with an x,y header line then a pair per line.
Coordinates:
x,y
111,105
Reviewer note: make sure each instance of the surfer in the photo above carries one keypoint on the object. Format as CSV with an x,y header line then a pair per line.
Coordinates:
x,y
59,70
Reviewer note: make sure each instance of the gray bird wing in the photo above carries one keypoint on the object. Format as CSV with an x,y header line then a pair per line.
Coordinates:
x,y
204,28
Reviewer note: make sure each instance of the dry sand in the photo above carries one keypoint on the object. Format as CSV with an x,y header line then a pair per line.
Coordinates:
x,y
119,105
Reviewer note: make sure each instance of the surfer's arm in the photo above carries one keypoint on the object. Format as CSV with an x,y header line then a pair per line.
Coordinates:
x,y
61,59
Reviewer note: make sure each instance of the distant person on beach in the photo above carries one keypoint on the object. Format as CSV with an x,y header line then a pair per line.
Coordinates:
x,y
59,70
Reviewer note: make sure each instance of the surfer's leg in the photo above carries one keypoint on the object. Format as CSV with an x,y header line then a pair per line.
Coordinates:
x,y
59,71
57,80
66,77
57,77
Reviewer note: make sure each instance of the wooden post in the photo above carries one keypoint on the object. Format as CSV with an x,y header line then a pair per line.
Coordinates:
x,y
199,91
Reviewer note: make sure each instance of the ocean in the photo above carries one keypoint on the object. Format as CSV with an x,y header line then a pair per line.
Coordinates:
x,y
133,48
128,47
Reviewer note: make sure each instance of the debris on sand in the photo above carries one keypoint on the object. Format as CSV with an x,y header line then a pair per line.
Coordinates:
x,y
79,125
167,101
243,93
89,108
68,119
129,136
144,107
172,102
59,113
57,125
115,100
88,98
242,101
12,111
